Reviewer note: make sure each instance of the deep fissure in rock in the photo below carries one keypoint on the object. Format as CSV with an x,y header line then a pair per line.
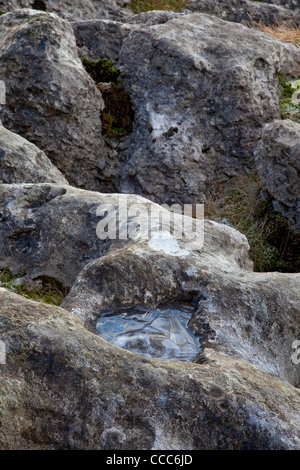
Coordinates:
x,y
118,116
39,5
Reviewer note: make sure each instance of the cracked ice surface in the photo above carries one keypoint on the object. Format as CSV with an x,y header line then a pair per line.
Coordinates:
x,y
158,334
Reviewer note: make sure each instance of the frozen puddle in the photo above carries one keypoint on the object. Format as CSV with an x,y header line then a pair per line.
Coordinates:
x,y
158,334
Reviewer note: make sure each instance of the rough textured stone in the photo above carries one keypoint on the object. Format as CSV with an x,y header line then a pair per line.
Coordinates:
x,y
100,39
150,18
72,9
248,315
50,99
278,165
200,103
248,11
64,387
23,162
291,4
103,38
51,229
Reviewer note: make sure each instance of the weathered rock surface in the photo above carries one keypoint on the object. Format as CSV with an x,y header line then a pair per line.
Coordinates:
x,y
206,98
255,317
103,397
278,165
50,99
220,101
103,38
200,103
51,229
100,39
249,12
23,162
291,4
72,9
246,322
151,18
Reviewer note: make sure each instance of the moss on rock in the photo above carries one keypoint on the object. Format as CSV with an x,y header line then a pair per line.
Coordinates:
x,y
44,289
102,70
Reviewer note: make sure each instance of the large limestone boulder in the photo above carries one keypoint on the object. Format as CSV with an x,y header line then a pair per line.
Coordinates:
x,y
50,99
278,165
250,12
200,103
23,162
52,230
63,387
246,324
252,316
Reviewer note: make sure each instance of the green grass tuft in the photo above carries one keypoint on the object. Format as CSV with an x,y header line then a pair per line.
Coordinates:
x,y
244,206
102,70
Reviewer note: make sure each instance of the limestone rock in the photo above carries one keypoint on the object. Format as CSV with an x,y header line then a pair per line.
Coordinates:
x,y
63,387
202,89
73,9
103,38
23,162
252,316
291,4
278,165
100,38
206,106
50,99
250,12
151,18
50,229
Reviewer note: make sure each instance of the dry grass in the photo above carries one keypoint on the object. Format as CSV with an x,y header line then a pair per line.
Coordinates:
x,y
139,6
283,33
239,204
